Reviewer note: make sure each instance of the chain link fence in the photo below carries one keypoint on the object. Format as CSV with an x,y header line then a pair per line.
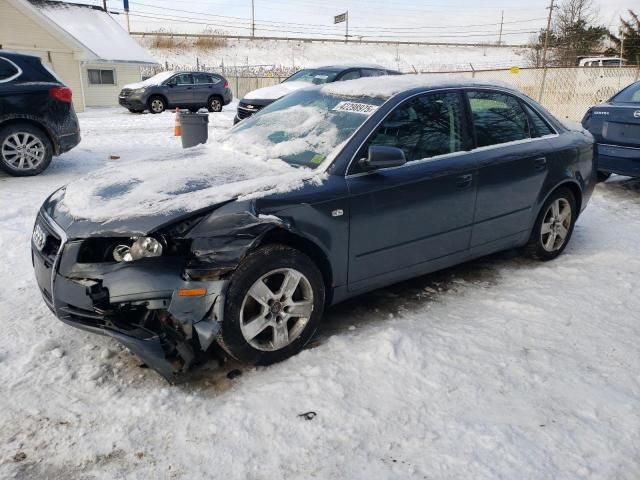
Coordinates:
x,y
566,92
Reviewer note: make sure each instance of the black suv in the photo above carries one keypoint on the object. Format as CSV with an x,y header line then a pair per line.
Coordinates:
x,y
37,119
258,99
192,90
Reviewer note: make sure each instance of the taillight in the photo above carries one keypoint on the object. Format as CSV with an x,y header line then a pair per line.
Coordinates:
x,y
226,83
62,94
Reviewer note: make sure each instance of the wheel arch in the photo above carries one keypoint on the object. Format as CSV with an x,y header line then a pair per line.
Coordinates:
x,y
162,96
306,246
37,124
575,189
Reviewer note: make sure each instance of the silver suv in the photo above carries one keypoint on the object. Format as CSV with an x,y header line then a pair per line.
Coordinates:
x,y
189,90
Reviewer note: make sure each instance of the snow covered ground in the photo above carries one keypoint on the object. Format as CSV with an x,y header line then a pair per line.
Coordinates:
x,y
303,54
502,368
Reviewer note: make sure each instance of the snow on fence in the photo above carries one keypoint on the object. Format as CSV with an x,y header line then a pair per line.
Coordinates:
x,y
566,92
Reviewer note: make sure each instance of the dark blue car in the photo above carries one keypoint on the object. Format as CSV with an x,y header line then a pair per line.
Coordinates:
x,y
616,127
364,184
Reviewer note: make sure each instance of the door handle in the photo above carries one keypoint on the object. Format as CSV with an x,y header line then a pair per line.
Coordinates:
x,y
463,181
540,163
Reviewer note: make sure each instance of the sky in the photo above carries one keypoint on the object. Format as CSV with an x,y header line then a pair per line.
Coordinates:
x,y
452,21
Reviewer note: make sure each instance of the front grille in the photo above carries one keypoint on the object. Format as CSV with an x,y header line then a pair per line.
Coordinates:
x,y
247,109
52,243
125,92
82,316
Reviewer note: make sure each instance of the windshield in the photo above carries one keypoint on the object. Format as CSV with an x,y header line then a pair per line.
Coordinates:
x,y
313,75
631,94
158,78
304,128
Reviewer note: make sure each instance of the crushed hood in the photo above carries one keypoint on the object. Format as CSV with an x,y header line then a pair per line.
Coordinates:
x,y
138,196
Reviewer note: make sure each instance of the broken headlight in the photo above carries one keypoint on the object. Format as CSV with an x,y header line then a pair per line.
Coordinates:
x,y
142,247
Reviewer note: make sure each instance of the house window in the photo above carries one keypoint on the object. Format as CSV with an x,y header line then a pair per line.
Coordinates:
x,y
101,77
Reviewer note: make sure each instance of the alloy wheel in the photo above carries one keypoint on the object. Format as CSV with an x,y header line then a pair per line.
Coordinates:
x,y
215,104
23,151
157,105
276,309
555,225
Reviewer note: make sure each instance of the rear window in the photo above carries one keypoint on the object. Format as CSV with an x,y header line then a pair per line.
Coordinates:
x,y
8,70
631,94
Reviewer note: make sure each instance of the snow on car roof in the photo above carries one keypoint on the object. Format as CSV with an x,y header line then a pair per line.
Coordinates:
x,y
344,66
96,30
388,86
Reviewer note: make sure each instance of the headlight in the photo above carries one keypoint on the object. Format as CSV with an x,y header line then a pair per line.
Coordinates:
x,y
138,91
143,247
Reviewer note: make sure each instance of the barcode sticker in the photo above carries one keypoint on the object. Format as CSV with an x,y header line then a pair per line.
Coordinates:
x,y
353,107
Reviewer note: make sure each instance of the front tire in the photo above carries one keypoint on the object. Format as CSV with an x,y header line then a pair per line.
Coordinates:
x,y
214,104
273,306
157,104
554,226
25,150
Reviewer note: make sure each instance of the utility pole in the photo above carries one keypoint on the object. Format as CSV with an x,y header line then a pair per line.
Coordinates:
x,y
253,19
501,23
104,5
346,37
544,51
546,36
126,13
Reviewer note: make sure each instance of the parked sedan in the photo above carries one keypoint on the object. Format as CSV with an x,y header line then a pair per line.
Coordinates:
x,y
256,100
325,194
189,90
37,119
615,125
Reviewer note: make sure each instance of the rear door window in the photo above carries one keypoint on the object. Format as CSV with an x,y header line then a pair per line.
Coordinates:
x,y
8,70
539,126
425,127
205,79
372,72
497,118
352,75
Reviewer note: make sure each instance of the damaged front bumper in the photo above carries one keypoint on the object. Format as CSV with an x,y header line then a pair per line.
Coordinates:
x,y
166,320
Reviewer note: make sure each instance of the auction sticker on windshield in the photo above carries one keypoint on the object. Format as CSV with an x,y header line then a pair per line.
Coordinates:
x,y
355,107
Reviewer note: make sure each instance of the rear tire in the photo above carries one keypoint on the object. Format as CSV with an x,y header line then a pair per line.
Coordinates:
x,y
273,306
157,104
554,226
25,150
214,104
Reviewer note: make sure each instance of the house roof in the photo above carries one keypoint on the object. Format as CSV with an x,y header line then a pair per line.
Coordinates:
x,y
95,30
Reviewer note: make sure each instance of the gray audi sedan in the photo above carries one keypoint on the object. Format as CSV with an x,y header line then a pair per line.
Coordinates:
x,y
330,192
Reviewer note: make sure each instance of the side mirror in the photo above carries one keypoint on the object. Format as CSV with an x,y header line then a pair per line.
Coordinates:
x,y
381,156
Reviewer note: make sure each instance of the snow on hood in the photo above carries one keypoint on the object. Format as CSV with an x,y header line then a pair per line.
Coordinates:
x,y
152,81
275,92
198,178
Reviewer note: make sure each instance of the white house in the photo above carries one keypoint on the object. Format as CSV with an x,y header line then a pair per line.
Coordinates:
x,y
83,44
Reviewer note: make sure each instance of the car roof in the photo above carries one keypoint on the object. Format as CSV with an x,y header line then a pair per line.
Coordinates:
x,y
389,86
10,54
346,66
